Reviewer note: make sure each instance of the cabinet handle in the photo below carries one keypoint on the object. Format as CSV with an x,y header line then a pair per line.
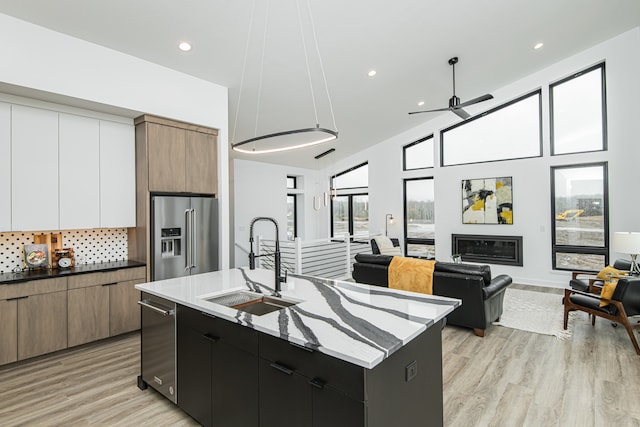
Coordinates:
x,y
110,284
17,298
210,337
317,382
282,368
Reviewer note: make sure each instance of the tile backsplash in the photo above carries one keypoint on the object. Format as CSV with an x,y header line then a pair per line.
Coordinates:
x,y
90,246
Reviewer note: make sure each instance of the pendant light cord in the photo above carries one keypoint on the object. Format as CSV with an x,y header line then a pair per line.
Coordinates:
x,y
264,45
244,67
324,77
306,61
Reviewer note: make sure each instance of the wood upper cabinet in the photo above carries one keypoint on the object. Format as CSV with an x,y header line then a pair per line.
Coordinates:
x,y
166,158
34,169
5,167
182,157
200,163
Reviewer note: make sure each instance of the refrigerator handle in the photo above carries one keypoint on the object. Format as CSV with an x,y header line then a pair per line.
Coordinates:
x,y
194,236
187,236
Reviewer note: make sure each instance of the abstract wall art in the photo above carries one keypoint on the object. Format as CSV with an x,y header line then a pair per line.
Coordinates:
x,y
487,201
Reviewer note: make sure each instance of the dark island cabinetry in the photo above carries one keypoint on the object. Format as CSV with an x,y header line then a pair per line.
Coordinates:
x,y
231,375
217,368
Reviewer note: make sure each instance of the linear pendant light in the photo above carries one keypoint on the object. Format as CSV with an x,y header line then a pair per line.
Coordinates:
x,y
288,139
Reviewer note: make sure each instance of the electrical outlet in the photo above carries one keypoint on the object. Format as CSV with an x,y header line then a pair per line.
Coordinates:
x,y
411,371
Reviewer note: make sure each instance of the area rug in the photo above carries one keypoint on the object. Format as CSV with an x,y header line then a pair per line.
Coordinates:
x,y
533,311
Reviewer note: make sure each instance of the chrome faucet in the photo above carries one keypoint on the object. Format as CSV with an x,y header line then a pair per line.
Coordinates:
x,y
276,254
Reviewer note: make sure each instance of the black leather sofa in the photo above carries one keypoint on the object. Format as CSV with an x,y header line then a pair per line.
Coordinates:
x,y
482,296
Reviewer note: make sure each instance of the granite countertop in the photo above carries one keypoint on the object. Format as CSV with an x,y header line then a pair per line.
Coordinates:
x,y
357,323
24,276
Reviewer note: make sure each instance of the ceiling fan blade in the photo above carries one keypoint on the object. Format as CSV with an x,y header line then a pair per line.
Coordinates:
x,y
430,111
474,101
461,113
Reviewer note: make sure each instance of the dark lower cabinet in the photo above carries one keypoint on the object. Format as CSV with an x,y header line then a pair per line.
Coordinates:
x,y
217,381
194,374
332,408
285,396
231,375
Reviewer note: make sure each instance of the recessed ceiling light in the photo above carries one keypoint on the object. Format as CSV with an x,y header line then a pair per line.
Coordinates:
x,y
538,45
372,73
421,103
184,46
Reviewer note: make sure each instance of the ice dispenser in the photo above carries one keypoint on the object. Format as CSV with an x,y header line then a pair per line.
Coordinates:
x,y
170,242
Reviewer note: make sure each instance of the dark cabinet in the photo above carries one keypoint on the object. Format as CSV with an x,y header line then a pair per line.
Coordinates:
x,y
232,375
217,370
290,399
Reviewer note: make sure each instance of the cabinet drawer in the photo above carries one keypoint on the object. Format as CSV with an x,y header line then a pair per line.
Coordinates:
x,y
228,332
344,376
33,287
106,277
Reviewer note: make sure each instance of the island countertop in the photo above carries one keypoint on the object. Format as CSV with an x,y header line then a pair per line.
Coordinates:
x,y
357,323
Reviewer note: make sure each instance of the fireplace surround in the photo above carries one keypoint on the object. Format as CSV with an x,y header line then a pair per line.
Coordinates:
x,y
505,250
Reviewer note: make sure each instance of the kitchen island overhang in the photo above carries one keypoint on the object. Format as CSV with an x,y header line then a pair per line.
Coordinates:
x,y
357,323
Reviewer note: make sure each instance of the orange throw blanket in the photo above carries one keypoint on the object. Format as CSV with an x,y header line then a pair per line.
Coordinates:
x,y
411,274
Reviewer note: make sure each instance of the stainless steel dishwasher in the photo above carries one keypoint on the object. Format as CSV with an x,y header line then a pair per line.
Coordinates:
x,y
158,345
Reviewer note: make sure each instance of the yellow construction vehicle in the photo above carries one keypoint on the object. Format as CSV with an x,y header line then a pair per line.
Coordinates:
x,y
570,214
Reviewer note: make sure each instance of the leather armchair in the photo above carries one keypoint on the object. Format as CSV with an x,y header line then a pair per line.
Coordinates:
x,y
624,303
591,283
482,296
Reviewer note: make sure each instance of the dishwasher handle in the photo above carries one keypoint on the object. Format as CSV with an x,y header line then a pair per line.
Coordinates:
x,y
162,310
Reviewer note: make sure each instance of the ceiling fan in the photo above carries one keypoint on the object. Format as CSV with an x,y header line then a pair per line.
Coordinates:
x,y
455,106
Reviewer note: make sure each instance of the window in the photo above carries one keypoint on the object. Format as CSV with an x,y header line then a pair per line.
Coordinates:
x,y
292,183
510,131
350,202
292,209
578,112
418,154
292,221
419,220
580,217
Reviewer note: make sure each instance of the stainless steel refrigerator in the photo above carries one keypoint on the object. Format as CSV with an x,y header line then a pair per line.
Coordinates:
x,y
185,236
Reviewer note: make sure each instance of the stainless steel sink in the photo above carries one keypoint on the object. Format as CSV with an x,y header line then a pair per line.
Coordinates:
x,y
251,302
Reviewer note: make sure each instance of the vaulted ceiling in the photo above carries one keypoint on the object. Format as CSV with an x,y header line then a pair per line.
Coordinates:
x,y
408,43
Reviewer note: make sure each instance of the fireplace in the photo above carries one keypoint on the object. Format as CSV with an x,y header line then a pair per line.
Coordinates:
x,y
506,250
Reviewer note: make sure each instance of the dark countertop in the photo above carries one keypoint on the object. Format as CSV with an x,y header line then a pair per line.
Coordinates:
x,y
14,278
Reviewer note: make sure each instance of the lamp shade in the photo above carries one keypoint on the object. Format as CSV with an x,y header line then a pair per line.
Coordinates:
x,y
626,242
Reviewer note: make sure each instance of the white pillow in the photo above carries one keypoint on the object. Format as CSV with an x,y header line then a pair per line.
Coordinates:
x,y
391,251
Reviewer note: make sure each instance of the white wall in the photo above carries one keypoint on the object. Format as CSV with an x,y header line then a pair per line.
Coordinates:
x,y
260,189
531,177
37,58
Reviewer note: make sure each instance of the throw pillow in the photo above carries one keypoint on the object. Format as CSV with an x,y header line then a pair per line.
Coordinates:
x,y
607,290
390,251
608,270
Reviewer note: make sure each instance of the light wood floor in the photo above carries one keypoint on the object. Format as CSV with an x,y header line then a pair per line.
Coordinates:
x,y
508,378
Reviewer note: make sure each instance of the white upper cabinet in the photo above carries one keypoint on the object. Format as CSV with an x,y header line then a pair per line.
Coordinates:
x,y
79,174
34,169
5,167
117,175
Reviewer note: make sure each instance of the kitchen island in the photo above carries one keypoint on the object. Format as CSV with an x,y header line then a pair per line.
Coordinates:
x,y
338,354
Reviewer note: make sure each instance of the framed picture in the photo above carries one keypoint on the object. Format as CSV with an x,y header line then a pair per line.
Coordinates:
x,y
36,256
487,201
